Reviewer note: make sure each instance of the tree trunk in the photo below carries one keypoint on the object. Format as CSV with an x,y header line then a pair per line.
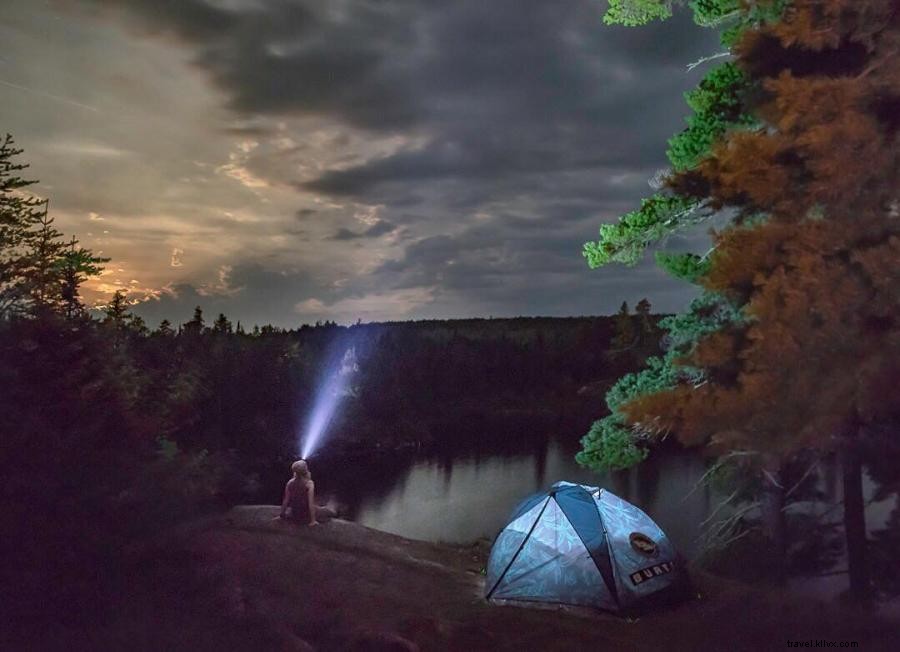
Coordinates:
x,y
855,517
774,521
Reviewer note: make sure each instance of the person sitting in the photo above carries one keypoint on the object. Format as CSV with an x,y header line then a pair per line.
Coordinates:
x,y
300,497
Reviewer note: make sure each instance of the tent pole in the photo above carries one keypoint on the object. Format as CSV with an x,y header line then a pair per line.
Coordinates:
x,y
521,545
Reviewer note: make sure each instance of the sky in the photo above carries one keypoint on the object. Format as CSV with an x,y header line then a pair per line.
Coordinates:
x,y
288,161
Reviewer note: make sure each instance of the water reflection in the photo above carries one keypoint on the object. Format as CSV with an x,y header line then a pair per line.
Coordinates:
x,y
460,500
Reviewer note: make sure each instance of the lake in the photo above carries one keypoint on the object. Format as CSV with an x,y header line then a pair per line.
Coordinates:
x,y
462,497
458,499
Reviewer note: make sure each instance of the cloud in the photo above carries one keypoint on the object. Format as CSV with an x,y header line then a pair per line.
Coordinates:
x,y
242,175
497,267
248,292
398,64
89,149
448,158
49,96
383,306
341,57
176,257
345,234
378,229
237,169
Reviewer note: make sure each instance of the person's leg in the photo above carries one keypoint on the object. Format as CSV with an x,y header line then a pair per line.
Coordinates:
x,y
324,513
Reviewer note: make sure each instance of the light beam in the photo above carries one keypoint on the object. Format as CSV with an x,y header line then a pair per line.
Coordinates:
x,y
336,386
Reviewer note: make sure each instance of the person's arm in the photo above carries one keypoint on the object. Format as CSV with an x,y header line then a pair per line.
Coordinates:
x,y
311,493
286,499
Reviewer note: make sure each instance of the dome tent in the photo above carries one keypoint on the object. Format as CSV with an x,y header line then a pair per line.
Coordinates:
x,y
584,546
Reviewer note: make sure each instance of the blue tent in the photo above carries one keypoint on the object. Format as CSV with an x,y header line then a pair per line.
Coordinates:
x,y
581,545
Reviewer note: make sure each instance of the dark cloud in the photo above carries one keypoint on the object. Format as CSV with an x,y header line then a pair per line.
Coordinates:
x,y
344,59
499,269
378,229
345,234
527,124
252,294
510,94
249,131
192,20
393,64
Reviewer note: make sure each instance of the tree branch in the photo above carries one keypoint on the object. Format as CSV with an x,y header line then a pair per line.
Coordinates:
x,y
790,491
702,60
714,468
718,507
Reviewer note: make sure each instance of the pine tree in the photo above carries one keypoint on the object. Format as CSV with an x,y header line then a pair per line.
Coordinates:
x,y
645,328
636,12
42,266
798,322
222,326
195,326
819,352
137,325
39,273
19,212
624,337
77,265
116,310
165,329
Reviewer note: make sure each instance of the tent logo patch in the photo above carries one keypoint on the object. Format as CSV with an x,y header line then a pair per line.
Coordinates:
x,y
642,543
650,572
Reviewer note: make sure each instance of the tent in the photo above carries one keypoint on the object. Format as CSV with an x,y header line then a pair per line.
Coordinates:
x,y
584,546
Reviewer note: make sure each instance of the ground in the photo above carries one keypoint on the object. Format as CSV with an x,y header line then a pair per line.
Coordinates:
x,y
243,580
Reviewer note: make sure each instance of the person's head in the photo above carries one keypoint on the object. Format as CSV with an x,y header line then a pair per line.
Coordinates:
x,y
300,469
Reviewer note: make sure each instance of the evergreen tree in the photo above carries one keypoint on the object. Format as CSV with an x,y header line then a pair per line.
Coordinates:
x,y
165,329
19,212
645,328
781,351
624,337
137,325
636,12
819,352
78,264
42,266
39,273
222,326
116,310
195,326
